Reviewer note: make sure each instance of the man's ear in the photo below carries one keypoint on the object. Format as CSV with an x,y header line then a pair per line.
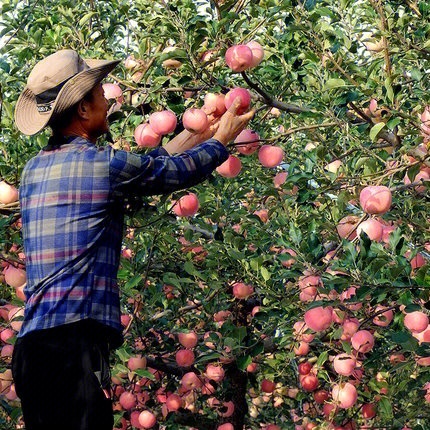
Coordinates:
x,y
82,109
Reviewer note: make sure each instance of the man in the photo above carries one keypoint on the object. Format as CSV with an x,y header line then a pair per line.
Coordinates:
x,y
72,197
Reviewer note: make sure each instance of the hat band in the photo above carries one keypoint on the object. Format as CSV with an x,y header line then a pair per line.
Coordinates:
x,y
45,100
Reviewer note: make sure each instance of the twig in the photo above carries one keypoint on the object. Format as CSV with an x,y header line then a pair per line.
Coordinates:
x,y
271,101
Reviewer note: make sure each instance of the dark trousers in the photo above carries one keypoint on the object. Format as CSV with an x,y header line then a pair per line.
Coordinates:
x,y
62,378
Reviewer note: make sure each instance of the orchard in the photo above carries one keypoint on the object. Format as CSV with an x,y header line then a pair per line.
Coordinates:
x,y
290,290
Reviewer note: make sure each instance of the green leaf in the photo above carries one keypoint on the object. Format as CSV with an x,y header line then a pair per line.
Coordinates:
x,y
295,234
334,83
265,273
86,18
374,131
322,358
385,407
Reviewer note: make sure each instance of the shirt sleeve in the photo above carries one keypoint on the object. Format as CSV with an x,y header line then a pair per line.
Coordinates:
x,y
160,173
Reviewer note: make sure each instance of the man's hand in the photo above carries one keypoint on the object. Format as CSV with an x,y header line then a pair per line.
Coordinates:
x,y
231,124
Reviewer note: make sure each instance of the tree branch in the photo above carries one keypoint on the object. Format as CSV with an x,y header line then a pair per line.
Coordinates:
x,y
271,101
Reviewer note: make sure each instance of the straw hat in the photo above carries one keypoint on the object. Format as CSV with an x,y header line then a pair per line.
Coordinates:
x,y
55,84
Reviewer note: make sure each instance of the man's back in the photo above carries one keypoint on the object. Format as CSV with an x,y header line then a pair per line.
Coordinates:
x,y
72,228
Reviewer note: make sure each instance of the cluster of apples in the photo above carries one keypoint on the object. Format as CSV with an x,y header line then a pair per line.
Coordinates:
x,y
244,56
131,392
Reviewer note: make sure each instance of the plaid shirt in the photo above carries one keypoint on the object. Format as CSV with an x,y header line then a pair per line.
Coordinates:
x,y
72,206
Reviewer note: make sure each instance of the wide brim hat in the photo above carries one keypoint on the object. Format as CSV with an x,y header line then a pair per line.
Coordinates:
x,y
54,85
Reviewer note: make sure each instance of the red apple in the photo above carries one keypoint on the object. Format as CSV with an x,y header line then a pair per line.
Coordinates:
x,y
304,368
146,137
214,373
185,357
127,400
368,411
163,122
239,58
191,381
372,228
215,104
257,53
14,277
267,386
375,199
173,402
147,419
245,99
113,91
242,291
230,168
345,395
309,382
363,341
188,340
247,141
270,156
187,205
344,364
195,120
8,193
319,318
416,321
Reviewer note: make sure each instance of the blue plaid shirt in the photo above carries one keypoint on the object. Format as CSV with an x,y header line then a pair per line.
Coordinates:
x,y
72,207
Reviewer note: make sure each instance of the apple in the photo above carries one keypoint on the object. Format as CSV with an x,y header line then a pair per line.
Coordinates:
x,y
146,137
230,168
190,381
345,395
127,400
242,291
225,426
302,349
185,357
113,91
215,104
304,368
376,199
214,373
173,402
195,120
257,53
14,277
163,122
270,156
147,419
383,319
309,382
267,386
279,179
187,205
247,141
372,228
346,225
319,318
363,341
321,396
245,99
239,58
136,362
368,411
416,321
188,340
8,193
422,175
344,364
